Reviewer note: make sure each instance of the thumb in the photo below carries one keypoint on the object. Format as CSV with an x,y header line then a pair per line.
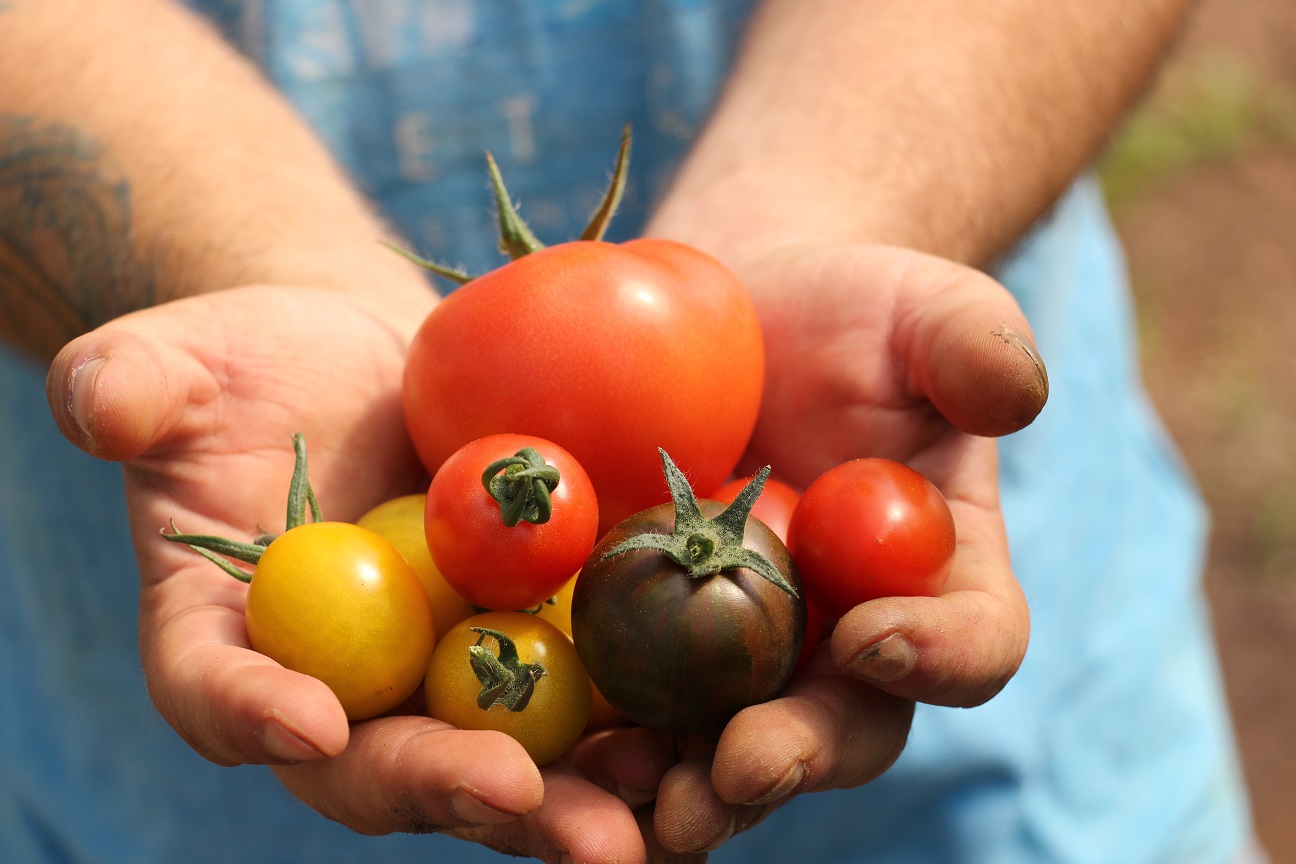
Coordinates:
x,y
971,350
114,393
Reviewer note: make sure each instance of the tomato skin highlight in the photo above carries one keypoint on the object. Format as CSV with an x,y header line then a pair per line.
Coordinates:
x,y
557,712
498,566
871,528
339,603
675,653
608,350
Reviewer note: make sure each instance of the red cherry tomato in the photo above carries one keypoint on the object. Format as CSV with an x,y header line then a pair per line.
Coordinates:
x,y
487,560
610,351
870,528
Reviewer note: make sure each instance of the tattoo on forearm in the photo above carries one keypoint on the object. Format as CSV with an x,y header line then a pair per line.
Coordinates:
x,y
66,257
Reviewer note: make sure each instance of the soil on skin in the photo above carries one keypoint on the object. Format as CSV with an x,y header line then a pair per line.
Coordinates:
x,y
1212,253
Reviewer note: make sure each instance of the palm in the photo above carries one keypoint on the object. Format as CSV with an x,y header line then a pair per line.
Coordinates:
x,y
876,352
258,365
211,389
201,398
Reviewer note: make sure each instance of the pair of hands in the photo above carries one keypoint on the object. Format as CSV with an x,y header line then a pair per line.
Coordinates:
x,y
871,351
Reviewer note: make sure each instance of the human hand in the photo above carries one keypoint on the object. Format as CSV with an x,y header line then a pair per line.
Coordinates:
x,y
875,351
199,398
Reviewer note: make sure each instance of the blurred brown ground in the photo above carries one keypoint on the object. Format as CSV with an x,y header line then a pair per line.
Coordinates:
x,y
1203,182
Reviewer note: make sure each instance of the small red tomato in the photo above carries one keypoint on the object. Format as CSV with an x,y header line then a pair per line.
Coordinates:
x,y
774,506
871,528
509,520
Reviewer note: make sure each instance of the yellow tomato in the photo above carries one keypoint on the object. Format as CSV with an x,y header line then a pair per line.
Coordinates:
x,y
340,603
530,684
400,520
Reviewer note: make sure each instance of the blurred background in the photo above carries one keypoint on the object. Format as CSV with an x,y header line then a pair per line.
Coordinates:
x,y
1202,180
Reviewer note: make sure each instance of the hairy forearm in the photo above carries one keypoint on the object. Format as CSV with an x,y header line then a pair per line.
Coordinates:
x,y
141,160
942,125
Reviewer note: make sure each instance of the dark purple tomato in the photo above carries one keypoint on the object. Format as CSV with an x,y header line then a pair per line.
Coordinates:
x,y
677,652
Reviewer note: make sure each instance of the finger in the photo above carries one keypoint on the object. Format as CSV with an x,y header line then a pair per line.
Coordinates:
x,y
657,851
630,762
969,348
415,774
115,393
826,732
959,649
577,823
231,704
689,817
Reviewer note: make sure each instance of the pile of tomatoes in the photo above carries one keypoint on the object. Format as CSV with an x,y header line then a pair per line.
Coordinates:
x,y
584,555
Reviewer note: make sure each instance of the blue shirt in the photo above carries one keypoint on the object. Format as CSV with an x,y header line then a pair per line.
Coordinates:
x,y
1111,743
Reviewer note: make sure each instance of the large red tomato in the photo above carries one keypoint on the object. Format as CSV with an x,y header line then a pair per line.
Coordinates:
x,y
610,351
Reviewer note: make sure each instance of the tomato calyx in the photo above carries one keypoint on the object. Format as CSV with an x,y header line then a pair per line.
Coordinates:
x,y
301,499
521,484
505,679
706,547
515,237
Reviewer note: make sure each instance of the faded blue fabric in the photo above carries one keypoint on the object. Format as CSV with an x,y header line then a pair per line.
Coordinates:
x,y
1110,744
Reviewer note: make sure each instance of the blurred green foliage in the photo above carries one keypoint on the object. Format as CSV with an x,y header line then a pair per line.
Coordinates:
x,y
1215,107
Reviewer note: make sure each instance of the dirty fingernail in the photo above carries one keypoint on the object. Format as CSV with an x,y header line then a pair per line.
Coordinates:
x,y
470,808
783,788
886,660
80,397
1012,337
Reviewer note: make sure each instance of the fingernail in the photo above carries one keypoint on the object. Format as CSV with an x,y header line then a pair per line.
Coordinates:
x,y
470,808
1012,337
886,660
783,788
80,396
283,743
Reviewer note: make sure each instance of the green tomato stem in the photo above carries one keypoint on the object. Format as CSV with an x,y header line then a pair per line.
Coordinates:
x,y
218,550
455,274
516,239
300,493
505,679
522,485
213,548
607,208
702,546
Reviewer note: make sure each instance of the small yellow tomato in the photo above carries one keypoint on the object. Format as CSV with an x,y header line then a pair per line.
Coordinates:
x,y
400,520
513,673
338,602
